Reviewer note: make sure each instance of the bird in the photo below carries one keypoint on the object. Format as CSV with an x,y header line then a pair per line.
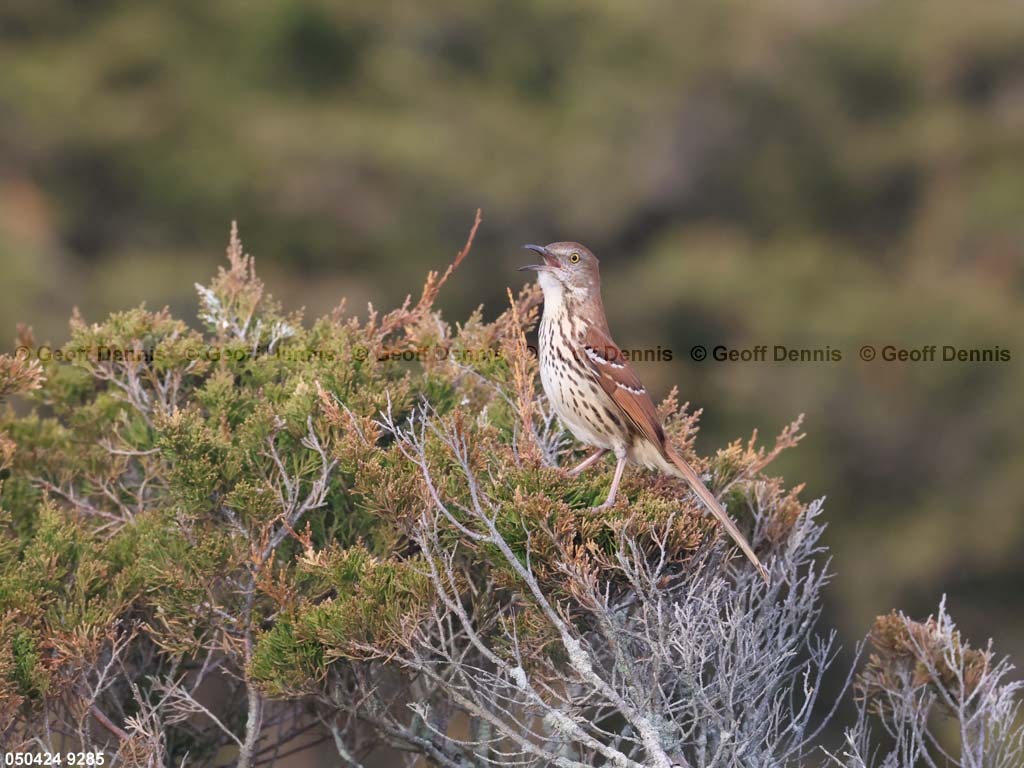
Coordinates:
x,y
592,387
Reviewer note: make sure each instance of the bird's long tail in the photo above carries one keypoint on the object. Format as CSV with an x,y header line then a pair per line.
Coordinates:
x,y
686,472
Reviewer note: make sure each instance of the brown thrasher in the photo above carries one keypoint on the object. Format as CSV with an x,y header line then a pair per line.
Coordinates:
x,y
591,385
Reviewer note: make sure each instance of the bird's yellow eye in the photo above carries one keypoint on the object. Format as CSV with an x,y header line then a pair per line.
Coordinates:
x,y
574,256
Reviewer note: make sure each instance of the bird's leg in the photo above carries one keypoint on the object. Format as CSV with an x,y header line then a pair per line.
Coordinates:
x,y
620,465
587,461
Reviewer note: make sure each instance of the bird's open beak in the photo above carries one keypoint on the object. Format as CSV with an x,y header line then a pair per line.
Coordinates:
x,y
550,262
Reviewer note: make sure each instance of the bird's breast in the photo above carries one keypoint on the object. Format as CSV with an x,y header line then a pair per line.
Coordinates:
x,y
571,388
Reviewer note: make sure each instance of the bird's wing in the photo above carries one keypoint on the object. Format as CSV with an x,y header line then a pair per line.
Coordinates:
x,y
618,379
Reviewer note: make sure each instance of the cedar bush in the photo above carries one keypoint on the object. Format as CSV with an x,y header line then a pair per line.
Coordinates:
x,y
221,546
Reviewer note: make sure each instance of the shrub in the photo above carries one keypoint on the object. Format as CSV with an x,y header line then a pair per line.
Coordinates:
x,y
233,543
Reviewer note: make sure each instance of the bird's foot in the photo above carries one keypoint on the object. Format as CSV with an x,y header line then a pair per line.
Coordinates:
x,y
607,504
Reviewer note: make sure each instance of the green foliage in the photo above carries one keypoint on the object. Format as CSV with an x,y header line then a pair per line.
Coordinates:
x,y
286,665
369,602
28,673
197,455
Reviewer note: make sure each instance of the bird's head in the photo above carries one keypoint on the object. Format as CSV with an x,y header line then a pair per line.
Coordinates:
x,y
566,266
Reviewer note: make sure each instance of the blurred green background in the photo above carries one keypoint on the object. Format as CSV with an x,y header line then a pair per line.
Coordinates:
x,y
782,172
